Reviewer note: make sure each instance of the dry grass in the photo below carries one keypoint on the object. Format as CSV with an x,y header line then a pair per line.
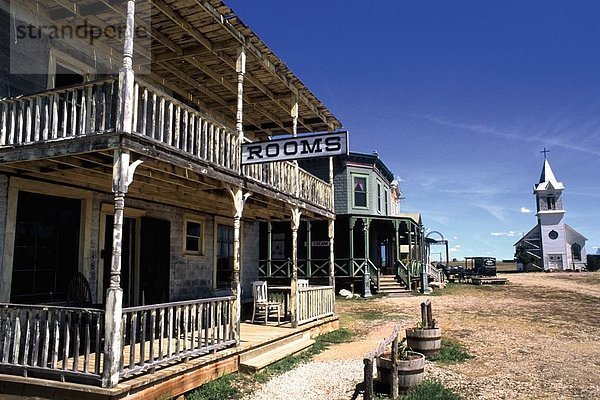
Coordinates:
x,y
535,338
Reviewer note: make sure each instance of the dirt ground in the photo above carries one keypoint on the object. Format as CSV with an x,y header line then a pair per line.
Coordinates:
x,y
534,338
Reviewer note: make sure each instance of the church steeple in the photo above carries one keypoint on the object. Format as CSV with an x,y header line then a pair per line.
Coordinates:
x,y
548,191
547,178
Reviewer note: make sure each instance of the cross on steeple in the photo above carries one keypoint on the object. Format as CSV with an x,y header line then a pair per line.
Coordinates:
x,y
545,152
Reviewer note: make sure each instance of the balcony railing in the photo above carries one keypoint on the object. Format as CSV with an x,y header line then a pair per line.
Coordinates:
x,y
92,108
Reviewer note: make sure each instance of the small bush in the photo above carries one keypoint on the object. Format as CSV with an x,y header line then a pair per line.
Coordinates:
x,y
451,351
430,390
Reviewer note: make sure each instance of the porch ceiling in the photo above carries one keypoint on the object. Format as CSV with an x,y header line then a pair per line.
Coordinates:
x,y
163,177
194,45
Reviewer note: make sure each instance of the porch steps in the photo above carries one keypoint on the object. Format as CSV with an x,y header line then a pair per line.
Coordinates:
x,y
257,359
390,286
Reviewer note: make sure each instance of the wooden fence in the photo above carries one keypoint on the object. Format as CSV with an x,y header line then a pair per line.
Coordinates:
x,y
369,361
162,333
52,341
315,302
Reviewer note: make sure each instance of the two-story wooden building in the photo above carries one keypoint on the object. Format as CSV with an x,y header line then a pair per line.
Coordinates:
x,y
121,188
372,235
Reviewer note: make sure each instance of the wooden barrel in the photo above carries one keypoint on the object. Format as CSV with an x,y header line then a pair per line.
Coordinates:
x,y
427,341
410,372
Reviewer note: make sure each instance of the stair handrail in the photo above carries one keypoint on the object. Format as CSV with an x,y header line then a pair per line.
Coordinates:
x,y
374,271
403,273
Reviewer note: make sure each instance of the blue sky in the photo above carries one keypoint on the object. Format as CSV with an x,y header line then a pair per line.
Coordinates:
x,y
458,98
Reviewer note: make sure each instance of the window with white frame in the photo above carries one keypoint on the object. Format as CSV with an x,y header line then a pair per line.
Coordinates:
x,y
194,236
359,184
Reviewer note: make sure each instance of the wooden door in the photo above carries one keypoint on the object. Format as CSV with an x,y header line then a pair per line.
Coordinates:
x,y
155,260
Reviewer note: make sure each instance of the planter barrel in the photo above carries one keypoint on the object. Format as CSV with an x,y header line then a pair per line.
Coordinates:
x,y
410,372
427,341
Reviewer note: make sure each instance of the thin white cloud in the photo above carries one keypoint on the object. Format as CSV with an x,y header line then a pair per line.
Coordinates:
x,y
499,212
509,233
525,210
557,140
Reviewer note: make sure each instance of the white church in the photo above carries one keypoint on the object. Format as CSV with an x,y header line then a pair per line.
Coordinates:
x,y
552,244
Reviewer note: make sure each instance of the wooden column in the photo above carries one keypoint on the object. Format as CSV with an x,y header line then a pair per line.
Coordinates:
x,y
296,213
397,249
330,230
410,239
122,176
352,221
308,249
366,236
269,247
294,115
240,68
239,199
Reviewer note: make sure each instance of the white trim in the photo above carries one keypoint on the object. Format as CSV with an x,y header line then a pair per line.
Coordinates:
x,y
202,238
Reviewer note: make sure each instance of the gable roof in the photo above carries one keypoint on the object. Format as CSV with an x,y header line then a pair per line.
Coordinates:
x,y
575,233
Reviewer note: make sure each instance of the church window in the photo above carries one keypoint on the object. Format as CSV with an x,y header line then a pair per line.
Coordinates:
x,y
551,202
576,252
553,234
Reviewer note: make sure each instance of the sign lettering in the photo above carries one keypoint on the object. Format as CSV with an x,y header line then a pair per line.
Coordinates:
x,y
294,148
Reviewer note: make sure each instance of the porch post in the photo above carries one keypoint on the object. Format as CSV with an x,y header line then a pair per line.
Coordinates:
x,y
397,249
239,199
366,236
331,228
351,247
308,249
296,213
410,246
269,248
331,231
240,68
122,176
294,115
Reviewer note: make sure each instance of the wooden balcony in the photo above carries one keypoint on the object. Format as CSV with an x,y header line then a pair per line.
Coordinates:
x,y
75,112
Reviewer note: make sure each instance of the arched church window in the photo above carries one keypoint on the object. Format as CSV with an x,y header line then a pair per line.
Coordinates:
x,y
576,252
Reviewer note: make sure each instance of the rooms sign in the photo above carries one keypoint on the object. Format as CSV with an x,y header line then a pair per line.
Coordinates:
x,y
294,148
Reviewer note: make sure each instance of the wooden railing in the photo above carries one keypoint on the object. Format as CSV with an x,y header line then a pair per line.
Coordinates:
x,y
52,341
315,302
162,333
162,118
369,359
315,190
92,108
60,113
281,176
